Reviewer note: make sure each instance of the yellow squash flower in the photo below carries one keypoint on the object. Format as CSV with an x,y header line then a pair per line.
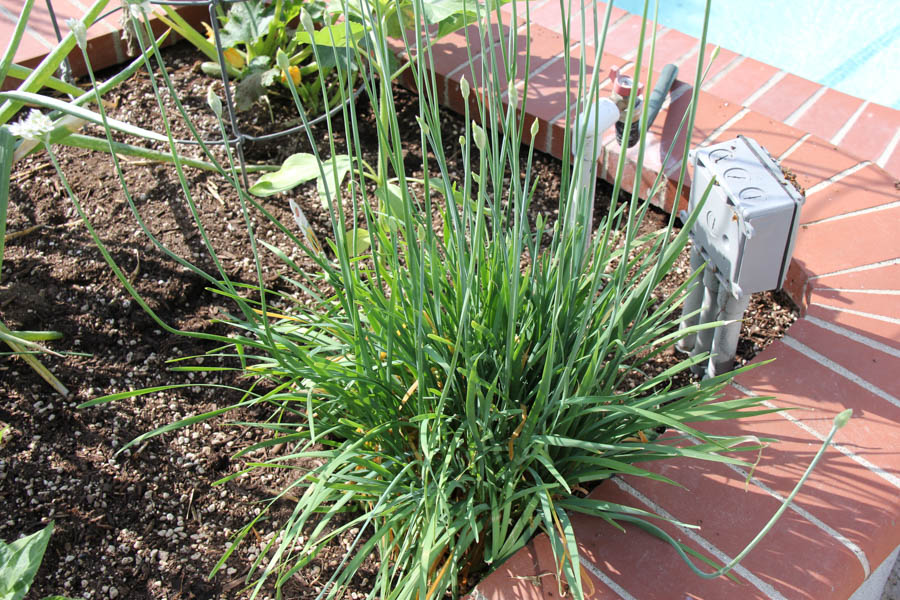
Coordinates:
x,y
232,56
295,75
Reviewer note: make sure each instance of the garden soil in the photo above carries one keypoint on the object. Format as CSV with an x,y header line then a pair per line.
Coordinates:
x,y
148,522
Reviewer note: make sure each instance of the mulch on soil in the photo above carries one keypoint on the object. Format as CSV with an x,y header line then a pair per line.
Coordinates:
x,y
147,523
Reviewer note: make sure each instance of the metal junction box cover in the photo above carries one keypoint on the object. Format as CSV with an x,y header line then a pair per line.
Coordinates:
x,y
749,222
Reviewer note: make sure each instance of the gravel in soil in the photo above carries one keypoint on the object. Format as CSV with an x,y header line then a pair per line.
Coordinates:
x,y
147,522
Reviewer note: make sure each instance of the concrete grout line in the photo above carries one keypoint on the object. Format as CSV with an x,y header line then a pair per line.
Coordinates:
x,y
596,572
521,86
542,68
858,313
678,62
795,116
737,61
648,42
855,213
881,161
562,114
724,126
831,531
835,178
764,88
860,291
884,263
109,26
843,131
613,23
755,581
794,146
536,5
28,29
852,335
839,369
889,477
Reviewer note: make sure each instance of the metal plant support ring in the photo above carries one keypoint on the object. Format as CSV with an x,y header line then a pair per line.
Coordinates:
x,y
238,138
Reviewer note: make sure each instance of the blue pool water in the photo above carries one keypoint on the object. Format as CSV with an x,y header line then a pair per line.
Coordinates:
x,y
850,45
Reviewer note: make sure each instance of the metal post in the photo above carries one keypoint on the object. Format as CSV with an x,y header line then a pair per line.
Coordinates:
x,y
707,315
229,102
692,304
725,339
65,68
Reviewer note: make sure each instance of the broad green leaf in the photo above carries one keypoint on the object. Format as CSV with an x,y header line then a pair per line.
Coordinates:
x,y
296,169
449,15
333,36
19,562
249,90
390,198
390,203
336,168
246,23
357,244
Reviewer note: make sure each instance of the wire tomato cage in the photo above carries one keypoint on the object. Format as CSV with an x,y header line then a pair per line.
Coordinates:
x,y
238,139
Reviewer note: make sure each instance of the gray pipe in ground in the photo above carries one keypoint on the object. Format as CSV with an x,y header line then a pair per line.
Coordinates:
x,y
708,311
692,304
725,338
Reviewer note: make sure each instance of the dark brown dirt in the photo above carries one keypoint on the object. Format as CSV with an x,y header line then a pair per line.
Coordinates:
x,y
147,523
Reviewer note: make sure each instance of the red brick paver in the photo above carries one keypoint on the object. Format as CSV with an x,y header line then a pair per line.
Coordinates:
x,y
742,81
828,114
875,127
785,97
866,188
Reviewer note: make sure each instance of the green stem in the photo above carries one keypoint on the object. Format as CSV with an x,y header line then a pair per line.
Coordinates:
x,y
7,60
33,362
100,145
51,62
839,421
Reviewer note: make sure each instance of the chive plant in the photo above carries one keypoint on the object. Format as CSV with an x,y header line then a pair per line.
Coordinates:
x,y
456,402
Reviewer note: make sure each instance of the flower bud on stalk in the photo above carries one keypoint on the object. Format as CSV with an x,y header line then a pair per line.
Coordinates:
x,y
423,125
281,59
464,88
513,93
214,102
480,136
79,31
306,22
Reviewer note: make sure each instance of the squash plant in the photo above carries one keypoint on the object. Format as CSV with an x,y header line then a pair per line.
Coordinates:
x,y
251,32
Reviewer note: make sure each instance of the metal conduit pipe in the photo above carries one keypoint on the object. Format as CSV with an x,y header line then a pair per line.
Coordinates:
x,y
725,338
708,311
692,304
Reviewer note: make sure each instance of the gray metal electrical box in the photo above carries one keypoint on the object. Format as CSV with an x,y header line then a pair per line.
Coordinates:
x,y
749,222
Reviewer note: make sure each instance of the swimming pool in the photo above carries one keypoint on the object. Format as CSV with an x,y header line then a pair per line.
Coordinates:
x,y
850,45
